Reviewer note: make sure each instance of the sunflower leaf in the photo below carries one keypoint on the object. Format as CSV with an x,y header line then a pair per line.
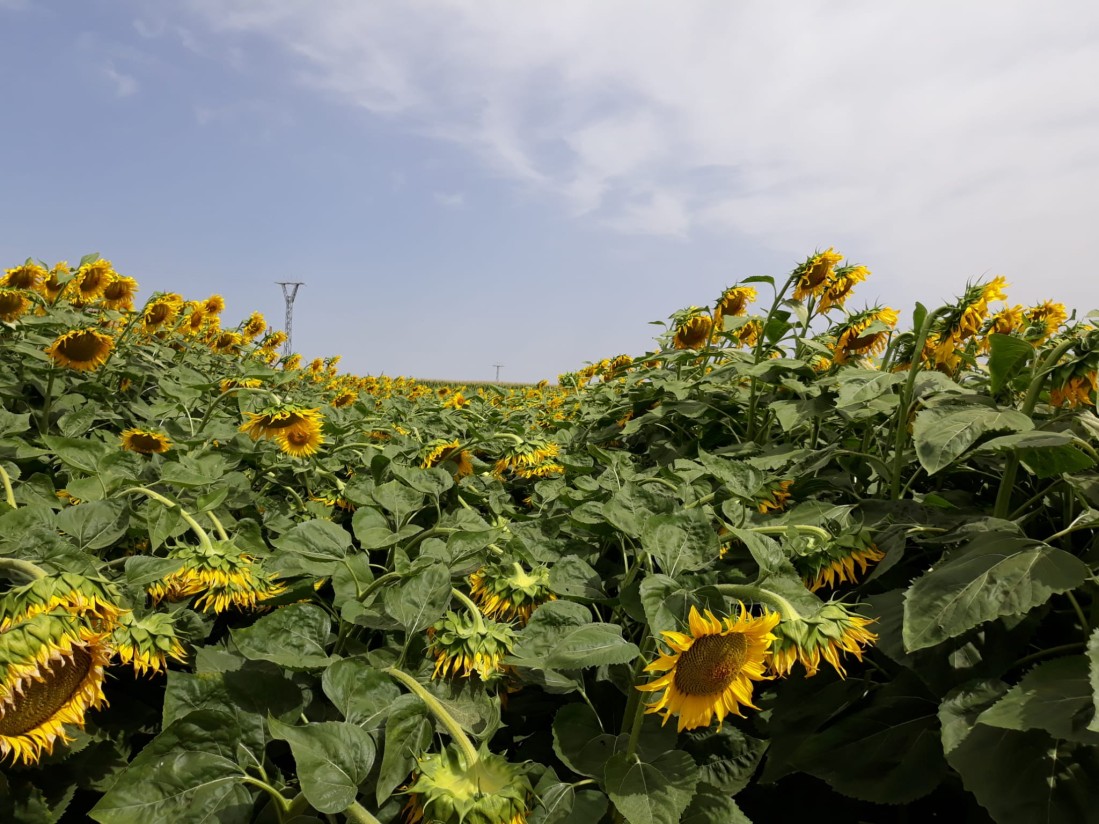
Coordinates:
x,y
332,757
943,434
994,575
655,792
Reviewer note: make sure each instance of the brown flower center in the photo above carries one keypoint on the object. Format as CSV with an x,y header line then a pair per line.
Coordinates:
x,y
711,664
41,700
81,347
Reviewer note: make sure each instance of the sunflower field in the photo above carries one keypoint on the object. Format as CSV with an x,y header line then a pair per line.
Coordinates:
x,y
800,559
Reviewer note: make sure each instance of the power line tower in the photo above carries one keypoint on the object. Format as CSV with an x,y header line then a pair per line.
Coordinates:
x,y
498,366
289,292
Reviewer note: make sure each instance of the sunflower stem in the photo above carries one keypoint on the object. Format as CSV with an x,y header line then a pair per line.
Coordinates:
x,y
377,582
218,528
763,596
282,805
24,568
474,612
359,814
469,752
9,493
47,402
203,536
782,529
1037,381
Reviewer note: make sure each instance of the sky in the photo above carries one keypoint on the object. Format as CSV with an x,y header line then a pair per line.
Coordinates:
x,y
466,183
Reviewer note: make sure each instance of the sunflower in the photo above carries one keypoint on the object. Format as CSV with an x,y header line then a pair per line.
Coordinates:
x,y
91,280
1042,320
962,322
89,599
14,303
214,305
51,674
227,343
812,275
52,286
345,398
773,498
835,563
224,575
147,643
278,419
710,672
447,790
456,401
119,294
463,646
864,333
840,285
531,458
229,384
274,340
732,303
255,326
292,363
301,442
160,311
508,592
145,442
28,276
693,331
833,630
82,349
1073,385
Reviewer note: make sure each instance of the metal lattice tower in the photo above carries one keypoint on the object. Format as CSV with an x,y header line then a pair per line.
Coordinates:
x,y
289,292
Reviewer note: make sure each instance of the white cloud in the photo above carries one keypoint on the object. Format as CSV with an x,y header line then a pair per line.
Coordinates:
x,y
450,200
124,84
909,131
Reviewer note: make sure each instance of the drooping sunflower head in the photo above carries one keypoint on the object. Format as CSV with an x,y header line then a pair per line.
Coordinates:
x,y
864,333
146,643
710,672
835,562
214,305
345,398
530,458
840,285
56,281
28,276
82,349
221,574
274,420
90,599
255,326
772,496
446,790
14,303
1073,385
617,367
51,674
230,384
692,329
300,442
732,303
91,280
145,442
226,342
463,646
119,294
809,639
1043,320
811,276
292,363
161,311
508,592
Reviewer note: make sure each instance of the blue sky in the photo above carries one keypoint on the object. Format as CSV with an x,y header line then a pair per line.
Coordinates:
x,y
462,184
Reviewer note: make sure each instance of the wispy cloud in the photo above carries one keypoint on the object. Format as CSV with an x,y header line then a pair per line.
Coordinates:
x,y
124,84
963,132
450,200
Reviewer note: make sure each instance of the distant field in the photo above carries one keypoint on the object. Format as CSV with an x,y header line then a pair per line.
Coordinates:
x,y
473,385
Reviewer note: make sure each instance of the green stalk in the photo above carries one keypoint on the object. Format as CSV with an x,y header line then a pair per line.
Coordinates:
x,y
359,814
218,528
9,493
203,537
474,612
24,568
469,752
748,592
47,402
901,434
782,529
753,396
1011,466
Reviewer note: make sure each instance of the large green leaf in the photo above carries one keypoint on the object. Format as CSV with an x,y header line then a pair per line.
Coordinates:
x,y
710,806
680,542
1055,696
408,733
333,758
421,598
943,434
1028,777
994,575
188,773
1007,356
94,524
318,540
651,792
580,742
293,636
727,758
361,691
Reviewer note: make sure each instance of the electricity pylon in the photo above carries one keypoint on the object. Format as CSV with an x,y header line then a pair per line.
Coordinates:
x,y
289,292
